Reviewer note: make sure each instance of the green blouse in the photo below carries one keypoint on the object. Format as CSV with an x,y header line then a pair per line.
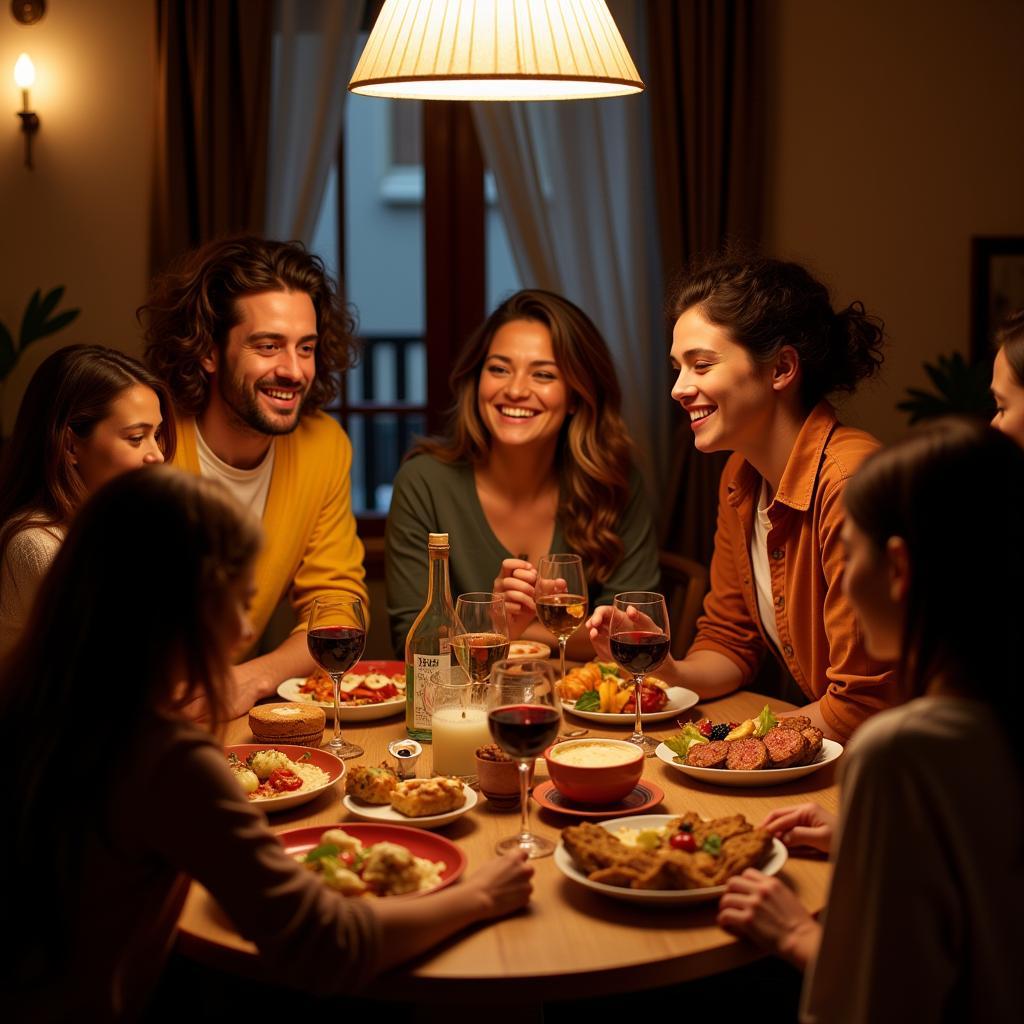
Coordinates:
x,y
431,496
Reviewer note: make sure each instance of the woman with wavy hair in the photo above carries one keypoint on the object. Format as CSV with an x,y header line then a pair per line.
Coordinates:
x,y
121,800
88,414
536,459
758,349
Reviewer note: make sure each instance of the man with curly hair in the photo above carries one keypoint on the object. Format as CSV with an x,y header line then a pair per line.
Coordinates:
x,y
251,338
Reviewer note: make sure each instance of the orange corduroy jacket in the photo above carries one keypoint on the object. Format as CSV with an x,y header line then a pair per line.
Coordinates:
x,y
821,644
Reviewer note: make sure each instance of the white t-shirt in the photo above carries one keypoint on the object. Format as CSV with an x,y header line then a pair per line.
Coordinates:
x,y
762,567
249,487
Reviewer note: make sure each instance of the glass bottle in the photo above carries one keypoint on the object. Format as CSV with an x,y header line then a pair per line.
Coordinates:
x,y
428,645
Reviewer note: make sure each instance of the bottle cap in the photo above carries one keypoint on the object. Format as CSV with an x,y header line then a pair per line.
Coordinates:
x,y
437,540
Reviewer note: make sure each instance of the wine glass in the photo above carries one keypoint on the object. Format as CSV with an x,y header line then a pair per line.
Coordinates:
x,y
524,717
639,635
336,635
561,598
481,633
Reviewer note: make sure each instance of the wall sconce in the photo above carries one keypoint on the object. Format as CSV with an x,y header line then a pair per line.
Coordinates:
x,y
25,76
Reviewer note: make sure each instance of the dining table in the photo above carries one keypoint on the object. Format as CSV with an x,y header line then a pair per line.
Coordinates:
x,y
570,942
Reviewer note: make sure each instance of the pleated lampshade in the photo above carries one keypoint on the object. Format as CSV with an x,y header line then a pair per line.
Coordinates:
x,y
495,50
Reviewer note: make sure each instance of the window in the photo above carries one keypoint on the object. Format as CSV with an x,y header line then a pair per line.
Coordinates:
x,y
403,249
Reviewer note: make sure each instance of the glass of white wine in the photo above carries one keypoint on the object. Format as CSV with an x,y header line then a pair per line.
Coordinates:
x,y
561,598
481,633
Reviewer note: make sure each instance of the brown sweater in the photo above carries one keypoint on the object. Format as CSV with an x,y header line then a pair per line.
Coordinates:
x,y
178,814
821,643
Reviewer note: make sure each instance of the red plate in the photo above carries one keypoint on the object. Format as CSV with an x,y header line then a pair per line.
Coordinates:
x,y
645,795
419,843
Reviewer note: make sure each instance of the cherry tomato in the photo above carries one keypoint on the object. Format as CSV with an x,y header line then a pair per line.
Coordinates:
x,y
683,841
705,726
347,858
284,780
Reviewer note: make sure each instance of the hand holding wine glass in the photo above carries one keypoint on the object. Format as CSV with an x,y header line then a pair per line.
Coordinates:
x,y
561,598
639,642
336,636
481,636
524,717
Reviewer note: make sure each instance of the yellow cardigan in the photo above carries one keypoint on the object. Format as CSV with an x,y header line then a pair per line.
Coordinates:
x,y
310,545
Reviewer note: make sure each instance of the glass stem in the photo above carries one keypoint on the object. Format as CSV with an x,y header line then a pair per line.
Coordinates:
x,y
336,679
638,721
524,814
562,641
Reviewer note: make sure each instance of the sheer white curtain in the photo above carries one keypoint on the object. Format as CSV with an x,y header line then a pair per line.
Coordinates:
x,y
575,187
314,46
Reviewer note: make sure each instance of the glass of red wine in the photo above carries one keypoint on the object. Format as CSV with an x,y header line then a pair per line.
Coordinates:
x,y
524,716
336,635
639,639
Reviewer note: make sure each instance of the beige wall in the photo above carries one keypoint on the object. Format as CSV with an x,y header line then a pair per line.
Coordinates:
x,y
896,135
80,218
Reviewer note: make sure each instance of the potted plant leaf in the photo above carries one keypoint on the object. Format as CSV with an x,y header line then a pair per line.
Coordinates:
x,y
40,320
961,388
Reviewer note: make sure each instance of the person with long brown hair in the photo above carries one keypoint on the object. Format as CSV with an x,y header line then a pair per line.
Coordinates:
x,y
252,338
758,349
121,800
88,413
925,914
1008,377
536,459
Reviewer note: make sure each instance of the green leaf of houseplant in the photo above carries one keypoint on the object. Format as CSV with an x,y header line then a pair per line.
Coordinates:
x,y
8,354
30,320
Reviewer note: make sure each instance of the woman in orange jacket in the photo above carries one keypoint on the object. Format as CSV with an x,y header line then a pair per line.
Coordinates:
x,y
757,349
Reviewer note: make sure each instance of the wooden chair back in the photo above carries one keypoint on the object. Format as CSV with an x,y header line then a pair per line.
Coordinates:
x,y
684,583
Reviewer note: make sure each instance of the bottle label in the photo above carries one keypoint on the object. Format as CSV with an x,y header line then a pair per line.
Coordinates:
x,y
427,671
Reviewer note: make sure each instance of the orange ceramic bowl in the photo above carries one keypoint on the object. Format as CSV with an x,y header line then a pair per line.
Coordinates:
x,y
594,771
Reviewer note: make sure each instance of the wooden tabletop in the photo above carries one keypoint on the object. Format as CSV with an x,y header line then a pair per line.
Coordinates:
x,y
570,942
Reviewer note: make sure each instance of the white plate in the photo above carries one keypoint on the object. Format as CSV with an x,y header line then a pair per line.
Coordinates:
x,y
520,650
662,897
830,750
386,814
289,690
679,699
323,759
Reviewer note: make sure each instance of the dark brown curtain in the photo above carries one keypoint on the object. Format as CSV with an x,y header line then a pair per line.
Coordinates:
x,y
213,121
706,84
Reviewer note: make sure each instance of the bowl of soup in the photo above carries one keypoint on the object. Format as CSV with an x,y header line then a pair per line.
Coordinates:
x,y
594,771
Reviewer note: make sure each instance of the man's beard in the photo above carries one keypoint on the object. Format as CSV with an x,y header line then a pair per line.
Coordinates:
x,y
244,403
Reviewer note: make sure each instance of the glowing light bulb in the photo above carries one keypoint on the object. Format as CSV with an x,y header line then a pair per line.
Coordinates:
x,y
24,72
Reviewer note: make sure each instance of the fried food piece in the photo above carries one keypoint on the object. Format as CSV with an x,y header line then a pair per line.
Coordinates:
x,y
814,739
708,755
593,848
798,722
578,680
617,874
747,755
786,747
416,798
371,785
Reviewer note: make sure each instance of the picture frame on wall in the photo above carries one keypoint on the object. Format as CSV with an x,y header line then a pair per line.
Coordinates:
x,y
997,287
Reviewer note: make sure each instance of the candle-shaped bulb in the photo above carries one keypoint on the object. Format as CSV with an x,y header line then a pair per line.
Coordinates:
x,y
24,72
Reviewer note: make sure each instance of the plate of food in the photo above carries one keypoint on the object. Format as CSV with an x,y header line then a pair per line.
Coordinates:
x,y
377,794
762,751
520,650
376,860
599,692
373,689
278,776
658,858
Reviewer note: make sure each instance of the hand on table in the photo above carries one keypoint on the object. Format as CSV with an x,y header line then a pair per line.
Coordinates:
x,y
802,825
517,582
504,883
767,912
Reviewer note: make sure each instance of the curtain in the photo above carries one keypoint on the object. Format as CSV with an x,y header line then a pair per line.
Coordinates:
x,y
575,187
213,94
314,45
707,86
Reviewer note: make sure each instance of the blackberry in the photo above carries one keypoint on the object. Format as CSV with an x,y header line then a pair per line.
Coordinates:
x,y
719,732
